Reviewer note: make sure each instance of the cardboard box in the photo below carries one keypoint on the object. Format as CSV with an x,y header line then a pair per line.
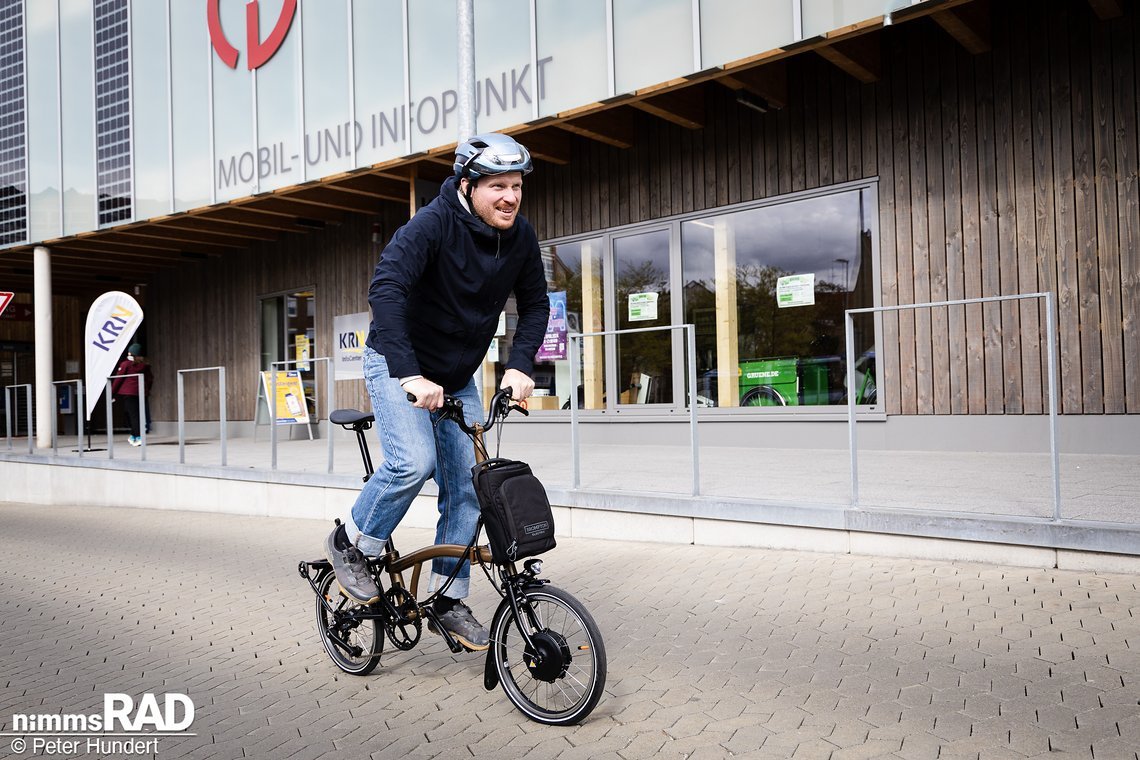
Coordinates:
x,y
543,402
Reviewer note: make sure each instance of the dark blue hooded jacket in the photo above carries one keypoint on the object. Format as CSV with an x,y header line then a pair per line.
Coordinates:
x,y
439,288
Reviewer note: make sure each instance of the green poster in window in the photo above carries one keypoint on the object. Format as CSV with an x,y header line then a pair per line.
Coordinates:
x,y
642,307
795,290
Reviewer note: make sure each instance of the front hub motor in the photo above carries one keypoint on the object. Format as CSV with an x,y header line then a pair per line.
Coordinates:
x,y
548,658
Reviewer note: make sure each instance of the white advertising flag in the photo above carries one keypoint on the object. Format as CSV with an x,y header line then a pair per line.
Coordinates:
x,y
111,323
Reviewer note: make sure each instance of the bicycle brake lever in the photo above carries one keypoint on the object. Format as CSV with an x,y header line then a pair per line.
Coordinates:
x,y
522,409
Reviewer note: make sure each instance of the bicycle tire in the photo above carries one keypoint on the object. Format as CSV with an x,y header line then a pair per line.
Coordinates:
x,y
763,395
366,634
566,685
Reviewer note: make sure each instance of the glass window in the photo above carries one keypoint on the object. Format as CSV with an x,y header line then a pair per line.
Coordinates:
x,y
642,299
504,80
784,342
13,145
329,133
77,82
191,58
43,123
432,32
734,29
821,16
235,148
151,134
113,110
653,41
573,61
288,333
278,107
378,73
574,279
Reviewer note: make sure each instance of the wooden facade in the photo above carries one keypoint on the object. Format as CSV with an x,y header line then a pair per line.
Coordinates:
x,y
1005,172
1002,172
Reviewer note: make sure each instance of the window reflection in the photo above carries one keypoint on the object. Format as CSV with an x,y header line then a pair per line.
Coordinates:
x,y
766,355
575,269
642,298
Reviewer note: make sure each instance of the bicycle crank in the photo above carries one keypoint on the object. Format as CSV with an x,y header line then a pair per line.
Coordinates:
x,y
403,631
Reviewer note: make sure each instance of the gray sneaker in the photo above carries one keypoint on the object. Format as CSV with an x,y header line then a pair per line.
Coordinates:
x,y
351,568
461,624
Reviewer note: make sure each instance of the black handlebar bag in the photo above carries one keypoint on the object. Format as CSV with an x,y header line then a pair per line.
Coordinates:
x,y
515,509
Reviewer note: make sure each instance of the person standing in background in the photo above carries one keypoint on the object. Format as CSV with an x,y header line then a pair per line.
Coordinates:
x,y
126,389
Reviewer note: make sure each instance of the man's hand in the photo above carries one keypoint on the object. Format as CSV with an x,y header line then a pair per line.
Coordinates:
x,y
428,395
521,386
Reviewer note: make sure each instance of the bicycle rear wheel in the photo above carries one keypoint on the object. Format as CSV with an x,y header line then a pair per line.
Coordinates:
x,y
354,645
559,678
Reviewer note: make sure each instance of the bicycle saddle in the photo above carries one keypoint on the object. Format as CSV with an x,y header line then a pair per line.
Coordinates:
x,y
348,417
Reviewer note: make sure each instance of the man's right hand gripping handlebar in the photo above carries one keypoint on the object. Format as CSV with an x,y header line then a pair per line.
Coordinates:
x,y
424,394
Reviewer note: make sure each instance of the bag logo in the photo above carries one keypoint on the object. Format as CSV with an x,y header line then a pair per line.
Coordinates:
x,y
536,528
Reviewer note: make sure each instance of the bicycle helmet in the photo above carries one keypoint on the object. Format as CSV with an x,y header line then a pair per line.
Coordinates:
x,y
485,155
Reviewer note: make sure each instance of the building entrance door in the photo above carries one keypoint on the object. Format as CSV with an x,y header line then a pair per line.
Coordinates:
x,y
17,367
288,332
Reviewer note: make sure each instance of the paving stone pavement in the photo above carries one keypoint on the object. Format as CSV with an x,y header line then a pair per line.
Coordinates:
x,y
712,652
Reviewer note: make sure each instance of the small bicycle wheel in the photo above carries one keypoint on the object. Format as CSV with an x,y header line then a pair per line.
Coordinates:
x,y
353,644
763,395
558,678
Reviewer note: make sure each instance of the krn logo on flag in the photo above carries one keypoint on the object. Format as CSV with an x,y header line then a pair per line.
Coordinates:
x,y
111,323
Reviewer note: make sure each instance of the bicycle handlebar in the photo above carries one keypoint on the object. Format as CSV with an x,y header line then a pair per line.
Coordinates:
x,y
500,407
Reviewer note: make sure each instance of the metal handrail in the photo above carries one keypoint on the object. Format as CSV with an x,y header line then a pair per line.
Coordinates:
x,y
690,370
55,413
8,414
1050,336
182,410
330,395
142,413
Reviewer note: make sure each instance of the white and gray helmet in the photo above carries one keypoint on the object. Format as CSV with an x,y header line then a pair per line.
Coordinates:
x,y
492,153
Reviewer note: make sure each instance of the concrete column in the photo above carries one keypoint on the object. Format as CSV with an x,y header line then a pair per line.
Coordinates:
x,y
41,298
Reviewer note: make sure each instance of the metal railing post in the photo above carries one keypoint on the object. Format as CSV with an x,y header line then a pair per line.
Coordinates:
x,y
852,446
8,430
329,396
55,413
142,415
575,379
1051,336
1050,330
181,386
182,410
108,400
691,370
222,410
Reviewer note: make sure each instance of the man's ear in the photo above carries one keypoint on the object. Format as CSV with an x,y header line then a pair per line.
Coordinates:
x,y
463,184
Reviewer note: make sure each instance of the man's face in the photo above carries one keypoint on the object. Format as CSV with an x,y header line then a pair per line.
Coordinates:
x,y
497,199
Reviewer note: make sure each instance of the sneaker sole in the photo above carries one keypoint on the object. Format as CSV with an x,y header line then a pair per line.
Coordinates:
x,y
344,591
463,641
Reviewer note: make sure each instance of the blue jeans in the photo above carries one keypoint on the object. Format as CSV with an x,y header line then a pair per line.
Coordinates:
x,y
416,448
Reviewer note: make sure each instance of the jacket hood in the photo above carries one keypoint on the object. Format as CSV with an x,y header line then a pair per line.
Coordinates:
x,y
449,194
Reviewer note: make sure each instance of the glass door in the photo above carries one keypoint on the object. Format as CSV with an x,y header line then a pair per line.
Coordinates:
x,y
642,287
288,332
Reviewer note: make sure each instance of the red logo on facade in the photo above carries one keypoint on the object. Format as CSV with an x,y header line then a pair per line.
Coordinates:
x,y
257,52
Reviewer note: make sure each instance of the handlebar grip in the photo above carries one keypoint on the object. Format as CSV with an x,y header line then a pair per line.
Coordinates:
x,y
412,397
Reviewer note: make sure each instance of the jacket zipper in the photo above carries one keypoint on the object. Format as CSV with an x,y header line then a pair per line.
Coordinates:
x,y
498,244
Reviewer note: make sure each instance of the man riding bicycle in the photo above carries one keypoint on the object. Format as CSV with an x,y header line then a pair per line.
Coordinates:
x,y
436,296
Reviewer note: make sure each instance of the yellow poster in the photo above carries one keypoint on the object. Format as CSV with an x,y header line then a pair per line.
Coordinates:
x,y
302,351
291,406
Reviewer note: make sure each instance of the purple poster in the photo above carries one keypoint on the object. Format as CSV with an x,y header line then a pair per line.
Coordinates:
x,y
554,344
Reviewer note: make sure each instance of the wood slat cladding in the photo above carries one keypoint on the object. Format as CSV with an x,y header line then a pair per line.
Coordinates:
x,y
206,313
1009,171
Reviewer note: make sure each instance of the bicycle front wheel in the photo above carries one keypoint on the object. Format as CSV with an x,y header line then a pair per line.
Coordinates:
x,y
354,645
558,677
